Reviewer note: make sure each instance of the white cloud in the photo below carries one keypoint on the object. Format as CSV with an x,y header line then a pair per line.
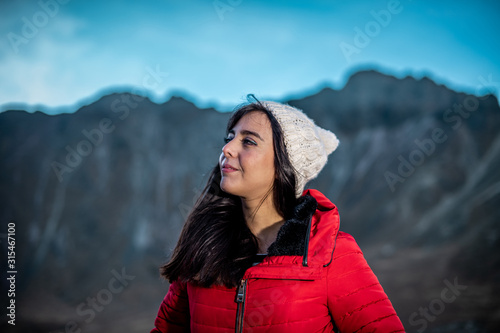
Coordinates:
x,y
59,67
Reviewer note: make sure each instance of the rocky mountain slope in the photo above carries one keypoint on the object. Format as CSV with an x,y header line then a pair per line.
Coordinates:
x,y
103,192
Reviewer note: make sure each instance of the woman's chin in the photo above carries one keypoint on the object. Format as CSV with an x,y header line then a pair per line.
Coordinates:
x,y
224,186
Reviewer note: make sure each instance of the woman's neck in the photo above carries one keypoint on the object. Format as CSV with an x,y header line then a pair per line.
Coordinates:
x,y
263,220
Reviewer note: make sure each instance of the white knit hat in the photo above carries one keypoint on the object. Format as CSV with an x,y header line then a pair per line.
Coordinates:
x,y
307,145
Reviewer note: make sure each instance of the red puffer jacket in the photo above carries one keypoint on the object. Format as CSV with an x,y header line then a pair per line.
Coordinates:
x,y
314,279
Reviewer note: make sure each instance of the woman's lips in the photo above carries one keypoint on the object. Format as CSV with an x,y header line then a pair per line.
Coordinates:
x,y
226,167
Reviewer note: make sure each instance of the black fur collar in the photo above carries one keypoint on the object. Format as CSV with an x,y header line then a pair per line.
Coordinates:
x,y
291,239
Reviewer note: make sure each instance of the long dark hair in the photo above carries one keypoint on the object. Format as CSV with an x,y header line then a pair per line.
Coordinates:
x,y
215,245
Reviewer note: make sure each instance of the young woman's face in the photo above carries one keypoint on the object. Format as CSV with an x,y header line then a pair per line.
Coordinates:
x,y
247,159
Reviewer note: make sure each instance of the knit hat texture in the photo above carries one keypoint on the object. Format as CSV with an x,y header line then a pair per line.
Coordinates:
x,y
307,144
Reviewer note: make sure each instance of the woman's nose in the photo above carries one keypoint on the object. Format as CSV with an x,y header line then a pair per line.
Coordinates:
x,y
228,150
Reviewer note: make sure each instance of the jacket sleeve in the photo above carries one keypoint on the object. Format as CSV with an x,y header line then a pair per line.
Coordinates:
x,y
356,299
173,315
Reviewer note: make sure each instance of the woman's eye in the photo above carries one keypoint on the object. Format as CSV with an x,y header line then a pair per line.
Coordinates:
x,y
249,142
245,141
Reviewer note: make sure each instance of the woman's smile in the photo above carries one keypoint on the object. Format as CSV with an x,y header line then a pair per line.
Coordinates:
x,y
227,168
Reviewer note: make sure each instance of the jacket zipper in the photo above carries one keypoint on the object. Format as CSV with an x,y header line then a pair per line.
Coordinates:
x,y
306,245
240,300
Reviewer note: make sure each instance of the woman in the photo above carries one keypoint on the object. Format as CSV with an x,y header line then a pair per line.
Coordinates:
x,y
257,254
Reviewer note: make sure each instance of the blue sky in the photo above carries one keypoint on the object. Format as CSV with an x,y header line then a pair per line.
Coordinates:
x,y
58,54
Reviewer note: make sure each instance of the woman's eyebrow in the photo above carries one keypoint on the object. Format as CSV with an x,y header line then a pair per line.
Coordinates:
x,y
247,132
